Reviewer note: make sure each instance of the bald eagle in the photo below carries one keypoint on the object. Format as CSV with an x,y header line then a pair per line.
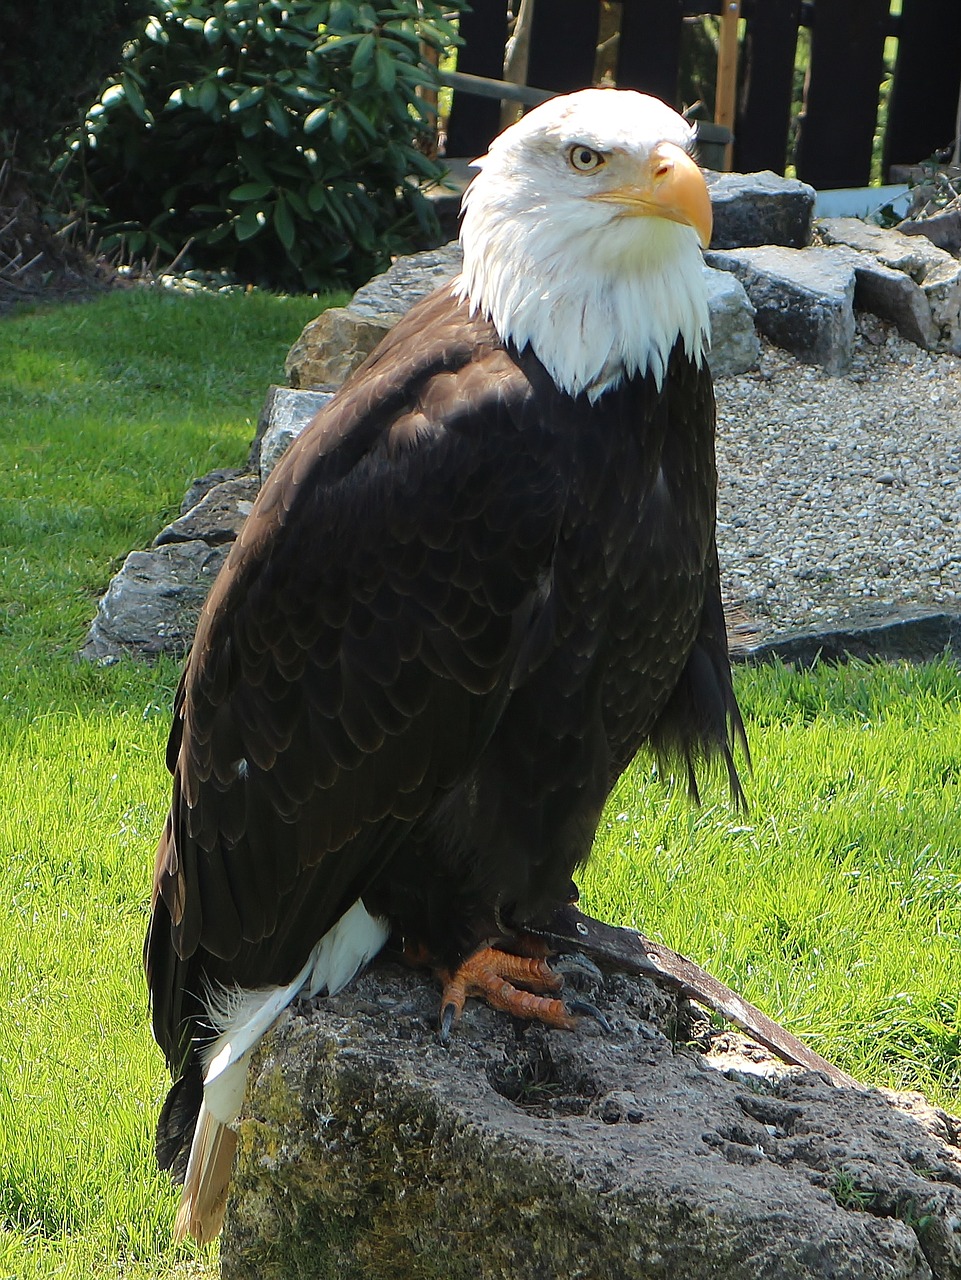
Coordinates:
x,y
482,579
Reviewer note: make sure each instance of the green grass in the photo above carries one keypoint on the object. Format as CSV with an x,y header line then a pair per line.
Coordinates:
x,y
108,410
833,904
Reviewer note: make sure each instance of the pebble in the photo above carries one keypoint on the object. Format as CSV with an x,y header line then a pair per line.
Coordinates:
x,y
840,494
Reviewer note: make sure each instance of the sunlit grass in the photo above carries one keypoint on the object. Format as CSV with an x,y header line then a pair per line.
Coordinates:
x,y
832,904
108,410
835,902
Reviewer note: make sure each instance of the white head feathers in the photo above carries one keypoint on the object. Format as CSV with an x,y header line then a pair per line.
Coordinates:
x,y
580,237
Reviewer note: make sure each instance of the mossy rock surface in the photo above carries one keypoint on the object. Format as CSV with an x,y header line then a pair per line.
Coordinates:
x,y
369,1151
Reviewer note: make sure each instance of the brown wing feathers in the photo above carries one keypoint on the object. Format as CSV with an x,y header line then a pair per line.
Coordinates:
x,y
343,667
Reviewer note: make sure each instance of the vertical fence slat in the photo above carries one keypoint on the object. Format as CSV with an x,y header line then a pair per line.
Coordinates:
x,y
767,79
847,48
924,102
563,40
847,58
650,47
474,121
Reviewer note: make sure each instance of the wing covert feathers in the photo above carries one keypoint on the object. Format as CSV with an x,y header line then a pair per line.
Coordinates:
x,y
352,656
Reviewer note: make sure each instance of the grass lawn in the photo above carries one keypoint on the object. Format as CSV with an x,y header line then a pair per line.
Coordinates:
x,y
834,904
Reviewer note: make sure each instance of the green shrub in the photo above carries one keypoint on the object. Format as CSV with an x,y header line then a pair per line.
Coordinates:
x,y
279,139
51,62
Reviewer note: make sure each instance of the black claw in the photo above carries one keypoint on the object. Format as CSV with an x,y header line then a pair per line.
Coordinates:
x,y
575,963
588,1010
447,1016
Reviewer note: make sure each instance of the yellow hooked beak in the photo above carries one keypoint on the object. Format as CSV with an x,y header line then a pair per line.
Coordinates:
x,y
673,188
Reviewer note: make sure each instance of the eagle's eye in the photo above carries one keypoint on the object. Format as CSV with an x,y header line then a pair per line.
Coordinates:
x,y
585,159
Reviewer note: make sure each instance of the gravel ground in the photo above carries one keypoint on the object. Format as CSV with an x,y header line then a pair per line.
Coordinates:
x,y
840,496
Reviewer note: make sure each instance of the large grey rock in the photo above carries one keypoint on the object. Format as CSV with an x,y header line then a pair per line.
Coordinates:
x,y
891,635
936,273
411,278
331,347
201,486
218,516
760,208
151,606
368,1151
735,345
894,296
942,229
803,298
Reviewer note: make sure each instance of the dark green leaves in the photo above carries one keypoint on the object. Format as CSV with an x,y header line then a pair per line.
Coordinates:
x,y
282,139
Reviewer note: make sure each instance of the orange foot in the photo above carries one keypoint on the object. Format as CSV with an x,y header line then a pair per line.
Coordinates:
x,y
492,975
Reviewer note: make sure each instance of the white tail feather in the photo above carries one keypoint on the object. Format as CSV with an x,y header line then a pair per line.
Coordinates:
x,y
243,1017
204,1199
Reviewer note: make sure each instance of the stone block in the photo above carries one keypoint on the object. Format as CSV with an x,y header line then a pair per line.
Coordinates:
x,y
893,295
760,208
942,229
152,605
936,273
218,516
734,342
331,347
803,299
368,1151
385,298
285,413
200,487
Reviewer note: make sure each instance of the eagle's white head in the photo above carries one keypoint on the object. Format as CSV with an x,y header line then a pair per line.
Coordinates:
x,y
582,236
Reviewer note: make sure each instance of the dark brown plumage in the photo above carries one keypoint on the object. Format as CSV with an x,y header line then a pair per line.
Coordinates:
x,y
463,602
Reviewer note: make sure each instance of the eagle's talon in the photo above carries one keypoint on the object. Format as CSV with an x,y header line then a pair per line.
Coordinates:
x,y
525,986
584,1008
575,965
448,1017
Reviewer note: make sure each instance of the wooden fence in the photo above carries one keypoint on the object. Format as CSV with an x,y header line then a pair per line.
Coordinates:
x,y
839,119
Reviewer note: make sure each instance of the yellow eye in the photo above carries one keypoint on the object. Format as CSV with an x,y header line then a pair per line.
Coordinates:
x,y
585,159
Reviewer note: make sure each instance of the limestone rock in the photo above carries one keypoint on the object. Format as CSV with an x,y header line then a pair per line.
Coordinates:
x,y
413,277
803,298
937,273
153,603
894,296
200,487
893,635
332,346
369,1151
942,229
760,208
218,516
734,342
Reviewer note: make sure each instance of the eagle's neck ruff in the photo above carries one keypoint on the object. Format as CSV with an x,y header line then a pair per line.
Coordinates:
x,y
595,309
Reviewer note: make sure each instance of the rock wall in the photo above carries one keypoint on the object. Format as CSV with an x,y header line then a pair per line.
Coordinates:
x,y
761,277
